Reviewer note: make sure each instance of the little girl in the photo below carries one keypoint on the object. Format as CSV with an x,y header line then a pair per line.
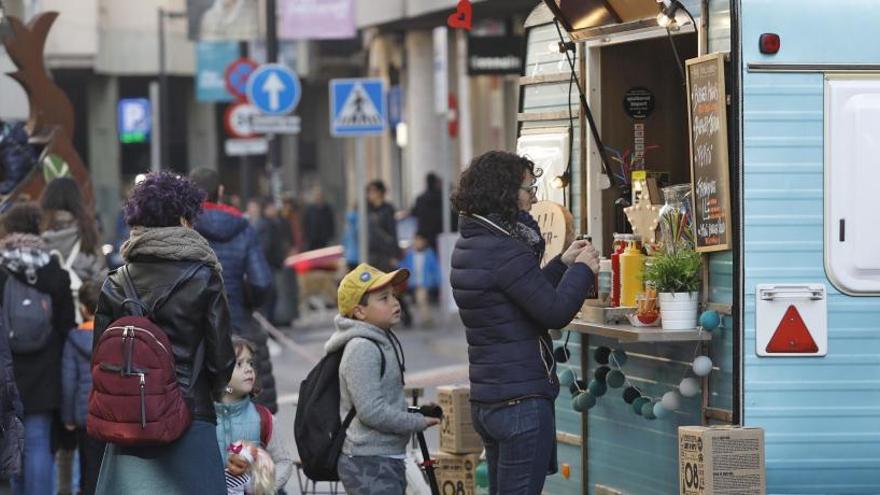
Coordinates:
x,y
240,419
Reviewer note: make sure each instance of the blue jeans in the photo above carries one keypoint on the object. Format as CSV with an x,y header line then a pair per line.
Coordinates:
x,y
38,470
520,441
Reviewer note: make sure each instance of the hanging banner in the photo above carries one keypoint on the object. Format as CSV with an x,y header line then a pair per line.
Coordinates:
x,y
212,59
223,20
316,19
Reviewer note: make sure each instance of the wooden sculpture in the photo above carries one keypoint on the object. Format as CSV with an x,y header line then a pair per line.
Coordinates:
x,y
51,120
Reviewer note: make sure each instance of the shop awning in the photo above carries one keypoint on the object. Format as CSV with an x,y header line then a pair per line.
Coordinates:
x,y
585,19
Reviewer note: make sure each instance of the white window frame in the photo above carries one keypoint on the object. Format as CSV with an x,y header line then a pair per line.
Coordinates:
x,y
841,258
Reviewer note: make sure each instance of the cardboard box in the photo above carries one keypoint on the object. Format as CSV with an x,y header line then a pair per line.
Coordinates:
x,y
721,460
456,473
457,435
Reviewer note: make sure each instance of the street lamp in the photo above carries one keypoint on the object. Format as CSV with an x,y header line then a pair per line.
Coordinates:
x,y
161,133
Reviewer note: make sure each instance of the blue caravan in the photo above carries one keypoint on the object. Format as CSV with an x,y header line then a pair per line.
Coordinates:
x,y
791,248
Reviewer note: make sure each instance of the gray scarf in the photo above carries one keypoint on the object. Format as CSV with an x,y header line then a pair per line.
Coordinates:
x,y
169,243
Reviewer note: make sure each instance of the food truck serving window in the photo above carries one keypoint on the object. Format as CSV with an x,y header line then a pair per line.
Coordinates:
x,y
852,179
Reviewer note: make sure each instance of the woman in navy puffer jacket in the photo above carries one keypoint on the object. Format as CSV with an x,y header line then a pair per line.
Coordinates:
x,y
508,303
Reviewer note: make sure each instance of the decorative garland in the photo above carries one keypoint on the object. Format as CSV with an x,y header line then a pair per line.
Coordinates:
x,y
610,375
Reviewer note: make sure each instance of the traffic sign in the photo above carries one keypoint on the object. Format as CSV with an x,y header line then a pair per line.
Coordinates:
x,y
357,107
395,105
274,89
275,124
245,147
237,120
135,120
236,76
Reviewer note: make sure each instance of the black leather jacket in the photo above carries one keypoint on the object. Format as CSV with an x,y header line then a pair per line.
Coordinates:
x,y
196,312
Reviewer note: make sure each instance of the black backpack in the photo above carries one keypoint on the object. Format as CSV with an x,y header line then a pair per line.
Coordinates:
x,y
317,429
26,313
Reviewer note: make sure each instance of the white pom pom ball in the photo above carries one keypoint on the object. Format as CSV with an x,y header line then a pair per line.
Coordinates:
x,y
671,401
689,387
702,366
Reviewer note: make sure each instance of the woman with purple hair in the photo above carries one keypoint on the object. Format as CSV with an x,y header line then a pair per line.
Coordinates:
x,y
162,248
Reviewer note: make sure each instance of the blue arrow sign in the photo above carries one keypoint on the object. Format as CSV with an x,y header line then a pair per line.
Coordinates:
x,y
357,107
274,89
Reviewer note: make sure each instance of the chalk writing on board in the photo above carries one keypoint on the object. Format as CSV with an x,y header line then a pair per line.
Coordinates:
x,y
707,116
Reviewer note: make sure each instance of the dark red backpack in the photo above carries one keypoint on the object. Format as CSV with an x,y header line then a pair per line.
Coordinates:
x,y
135,398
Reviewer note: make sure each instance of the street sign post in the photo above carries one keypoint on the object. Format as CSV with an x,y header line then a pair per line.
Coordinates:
x,y
246,147
237,120
275,124
236,76
274,89
357,107
135,122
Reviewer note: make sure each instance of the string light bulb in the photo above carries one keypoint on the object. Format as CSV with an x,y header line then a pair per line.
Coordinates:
x,y
561,181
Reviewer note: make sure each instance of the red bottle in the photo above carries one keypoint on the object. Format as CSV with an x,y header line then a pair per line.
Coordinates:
x,y
617,249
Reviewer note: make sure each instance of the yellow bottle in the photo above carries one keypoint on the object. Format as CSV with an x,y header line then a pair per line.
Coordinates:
x,y
631,268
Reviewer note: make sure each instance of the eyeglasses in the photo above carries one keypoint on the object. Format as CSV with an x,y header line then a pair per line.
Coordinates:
x,y
531,188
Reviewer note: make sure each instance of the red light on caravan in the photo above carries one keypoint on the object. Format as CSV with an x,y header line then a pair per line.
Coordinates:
x,y
769,43
792,335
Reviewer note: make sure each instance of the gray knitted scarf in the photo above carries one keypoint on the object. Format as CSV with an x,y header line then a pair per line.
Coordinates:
x,y
169,243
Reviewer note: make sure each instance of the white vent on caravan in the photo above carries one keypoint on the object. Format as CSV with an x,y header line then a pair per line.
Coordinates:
x,y
852,183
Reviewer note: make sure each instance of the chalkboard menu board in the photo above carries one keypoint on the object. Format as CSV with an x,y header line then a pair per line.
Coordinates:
x,y
710,173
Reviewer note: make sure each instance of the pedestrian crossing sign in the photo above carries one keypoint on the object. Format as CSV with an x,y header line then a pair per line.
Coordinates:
x,y
357,107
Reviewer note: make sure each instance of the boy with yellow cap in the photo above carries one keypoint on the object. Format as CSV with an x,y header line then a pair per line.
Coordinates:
x,y
372,460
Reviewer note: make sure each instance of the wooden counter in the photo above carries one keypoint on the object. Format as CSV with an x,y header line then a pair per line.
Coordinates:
x,y
631,334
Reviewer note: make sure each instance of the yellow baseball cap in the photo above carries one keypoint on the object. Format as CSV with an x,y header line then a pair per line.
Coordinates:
x,y
364,279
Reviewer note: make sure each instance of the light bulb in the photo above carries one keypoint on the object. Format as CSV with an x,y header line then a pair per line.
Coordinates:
x,y
663,20
560,181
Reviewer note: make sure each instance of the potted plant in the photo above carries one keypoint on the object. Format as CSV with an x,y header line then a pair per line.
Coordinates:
x,y
676,277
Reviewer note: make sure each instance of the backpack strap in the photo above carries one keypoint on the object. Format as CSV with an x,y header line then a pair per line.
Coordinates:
x,y
265,424
141,309
188,274
67,264
131,296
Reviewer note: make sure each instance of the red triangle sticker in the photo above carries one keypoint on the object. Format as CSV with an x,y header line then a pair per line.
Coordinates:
x,y
792,335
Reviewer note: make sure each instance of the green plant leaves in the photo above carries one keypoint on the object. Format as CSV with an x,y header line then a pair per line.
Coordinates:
x,y
675,272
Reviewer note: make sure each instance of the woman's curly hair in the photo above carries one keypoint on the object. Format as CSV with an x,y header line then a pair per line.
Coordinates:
x,y
491,184
162,199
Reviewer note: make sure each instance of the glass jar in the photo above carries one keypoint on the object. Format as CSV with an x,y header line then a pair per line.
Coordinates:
x,y
676,218
605,281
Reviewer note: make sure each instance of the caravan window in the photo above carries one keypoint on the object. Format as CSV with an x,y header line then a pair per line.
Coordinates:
x,y
852,183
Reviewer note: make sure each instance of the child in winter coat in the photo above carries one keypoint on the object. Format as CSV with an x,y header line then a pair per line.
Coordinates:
x,y
372,459
241,419
421,261
76,384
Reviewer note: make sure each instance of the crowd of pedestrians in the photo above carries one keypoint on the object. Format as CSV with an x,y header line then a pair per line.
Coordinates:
x,y
194,270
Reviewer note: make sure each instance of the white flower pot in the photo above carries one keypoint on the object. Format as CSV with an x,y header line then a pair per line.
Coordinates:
x,y
678,310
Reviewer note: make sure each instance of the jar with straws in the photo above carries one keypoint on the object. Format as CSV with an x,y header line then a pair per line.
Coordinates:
x,y
676,218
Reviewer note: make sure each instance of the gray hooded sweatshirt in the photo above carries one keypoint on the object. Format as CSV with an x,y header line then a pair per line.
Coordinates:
x,y
382,425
